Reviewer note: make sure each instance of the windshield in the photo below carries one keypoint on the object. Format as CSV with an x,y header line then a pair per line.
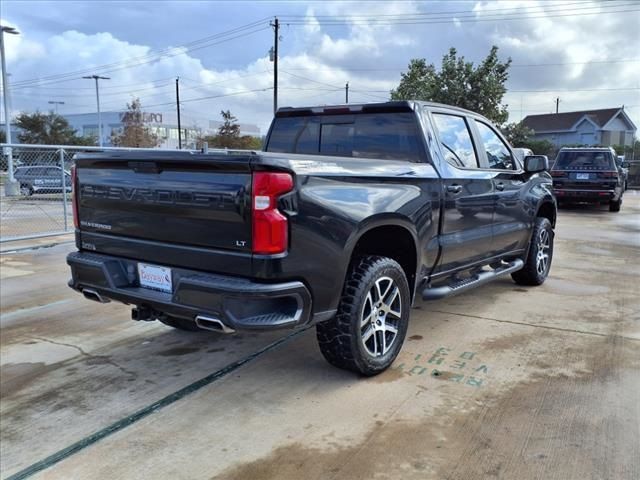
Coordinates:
x,y
584,161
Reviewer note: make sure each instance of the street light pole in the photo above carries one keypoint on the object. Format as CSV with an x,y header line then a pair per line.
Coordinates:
x,y
56,103
11,188
96,78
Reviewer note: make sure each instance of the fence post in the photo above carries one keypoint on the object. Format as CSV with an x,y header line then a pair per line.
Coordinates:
x,y
64,190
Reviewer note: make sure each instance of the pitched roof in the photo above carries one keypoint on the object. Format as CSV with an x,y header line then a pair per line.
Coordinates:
x,y
553,122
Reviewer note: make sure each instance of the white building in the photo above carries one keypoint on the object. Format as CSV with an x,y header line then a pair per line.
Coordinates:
x,y
165,125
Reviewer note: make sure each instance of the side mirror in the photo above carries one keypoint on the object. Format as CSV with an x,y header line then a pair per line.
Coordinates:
x,y
536,163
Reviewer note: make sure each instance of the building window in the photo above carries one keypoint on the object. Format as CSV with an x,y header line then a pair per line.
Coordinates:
x,y
90,130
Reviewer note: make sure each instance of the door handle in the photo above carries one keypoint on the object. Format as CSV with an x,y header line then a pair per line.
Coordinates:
x,y
454,188
500,186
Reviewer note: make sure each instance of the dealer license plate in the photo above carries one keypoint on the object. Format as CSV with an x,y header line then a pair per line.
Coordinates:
x,y
154,277
582,176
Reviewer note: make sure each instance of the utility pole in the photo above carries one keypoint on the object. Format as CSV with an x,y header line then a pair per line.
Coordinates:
x,y
276,32
557,104
178,109
346,93
11,188
96,78
56,103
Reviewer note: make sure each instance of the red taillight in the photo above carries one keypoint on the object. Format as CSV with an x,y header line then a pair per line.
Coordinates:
x,y
609,174
270,227
558,173
74,196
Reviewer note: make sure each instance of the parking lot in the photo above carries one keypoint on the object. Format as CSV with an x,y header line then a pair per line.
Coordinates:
x,y
503,382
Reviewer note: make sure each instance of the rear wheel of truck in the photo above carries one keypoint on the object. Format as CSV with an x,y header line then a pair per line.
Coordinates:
x,y
368,330
538,261
181,324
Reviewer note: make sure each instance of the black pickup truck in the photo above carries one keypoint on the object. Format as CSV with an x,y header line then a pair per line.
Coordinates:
x,y
348,214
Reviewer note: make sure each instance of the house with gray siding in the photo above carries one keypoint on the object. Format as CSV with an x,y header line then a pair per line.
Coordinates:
x,y
606,127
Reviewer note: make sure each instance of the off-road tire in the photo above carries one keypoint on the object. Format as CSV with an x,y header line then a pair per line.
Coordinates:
x,y
341,339
530,275
615,206
181,324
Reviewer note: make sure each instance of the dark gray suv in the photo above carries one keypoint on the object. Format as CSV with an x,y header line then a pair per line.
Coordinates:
x,y
588,175
42,179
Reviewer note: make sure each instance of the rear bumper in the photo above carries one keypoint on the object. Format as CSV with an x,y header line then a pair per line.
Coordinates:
x,y
584,195
239,303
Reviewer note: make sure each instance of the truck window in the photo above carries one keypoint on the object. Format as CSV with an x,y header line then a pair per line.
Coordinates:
x,y
388,136
456,140
498,153
294,135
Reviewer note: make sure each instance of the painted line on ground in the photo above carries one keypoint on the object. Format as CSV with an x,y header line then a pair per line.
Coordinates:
x,y
145,411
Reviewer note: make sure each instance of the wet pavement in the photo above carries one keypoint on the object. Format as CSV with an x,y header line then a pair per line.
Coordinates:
x,y
502,382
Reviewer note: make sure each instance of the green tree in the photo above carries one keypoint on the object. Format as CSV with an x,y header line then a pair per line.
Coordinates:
x,y
540,147
630,152
228,135
480,89
48,129
3,136
517,133
134,132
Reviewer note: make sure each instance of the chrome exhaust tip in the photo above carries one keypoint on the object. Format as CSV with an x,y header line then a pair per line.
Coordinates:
x,y
91,294
213,324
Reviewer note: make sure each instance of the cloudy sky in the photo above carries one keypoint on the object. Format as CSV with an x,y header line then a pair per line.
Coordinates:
x,y
586,53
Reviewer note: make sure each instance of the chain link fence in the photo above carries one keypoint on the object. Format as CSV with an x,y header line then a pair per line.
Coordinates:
x,y
43,206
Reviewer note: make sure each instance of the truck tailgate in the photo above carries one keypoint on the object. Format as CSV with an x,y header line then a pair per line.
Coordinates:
x,y
202,202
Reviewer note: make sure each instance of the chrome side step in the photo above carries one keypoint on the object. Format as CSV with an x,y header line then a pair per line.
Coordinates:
x,y
479,278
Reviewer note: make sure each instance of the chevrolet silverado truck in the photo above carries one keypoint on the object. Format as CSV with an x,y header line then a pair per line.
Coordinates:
x,y
348,215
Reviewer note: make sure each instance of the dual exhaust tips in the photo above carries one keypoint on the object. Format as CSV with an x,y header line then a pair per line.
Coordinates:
x,y
148,314
203,322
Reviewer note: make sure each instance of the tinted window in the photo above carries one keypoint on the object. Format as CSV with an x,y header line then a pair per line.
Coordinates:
x,y
392,136
456,140
337,139
34,171
584,161
498,153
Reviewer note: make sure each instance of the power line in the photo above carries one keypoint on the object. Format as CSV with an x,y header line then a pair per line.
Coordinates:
x,y
447,12
247,29
373,21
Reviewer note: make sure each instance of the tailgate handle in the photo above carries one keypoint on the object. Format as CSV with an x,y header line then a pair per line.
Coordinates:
x,y
144,167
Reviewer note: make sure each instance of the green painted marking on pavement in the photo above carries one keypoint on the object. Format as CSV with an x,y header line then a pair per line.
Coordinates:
x,y
144,412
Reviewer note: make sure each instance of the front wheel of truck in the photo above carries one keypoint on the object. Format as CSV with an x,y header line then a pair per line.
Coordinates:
x,y
368,330
538,261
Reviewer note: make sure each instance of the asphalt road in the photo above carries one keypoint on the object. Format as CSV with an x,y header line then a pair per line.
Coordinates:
x,y
503,382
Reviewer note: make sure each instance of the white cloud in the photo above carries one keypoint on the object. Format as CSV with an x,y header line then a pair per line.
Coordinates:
x,y
318,59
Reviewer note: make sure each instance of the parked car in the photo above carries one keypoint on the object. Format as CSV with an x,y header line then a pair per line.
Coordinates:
x,y
588,175
624,171
42,179
348,215
521,153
